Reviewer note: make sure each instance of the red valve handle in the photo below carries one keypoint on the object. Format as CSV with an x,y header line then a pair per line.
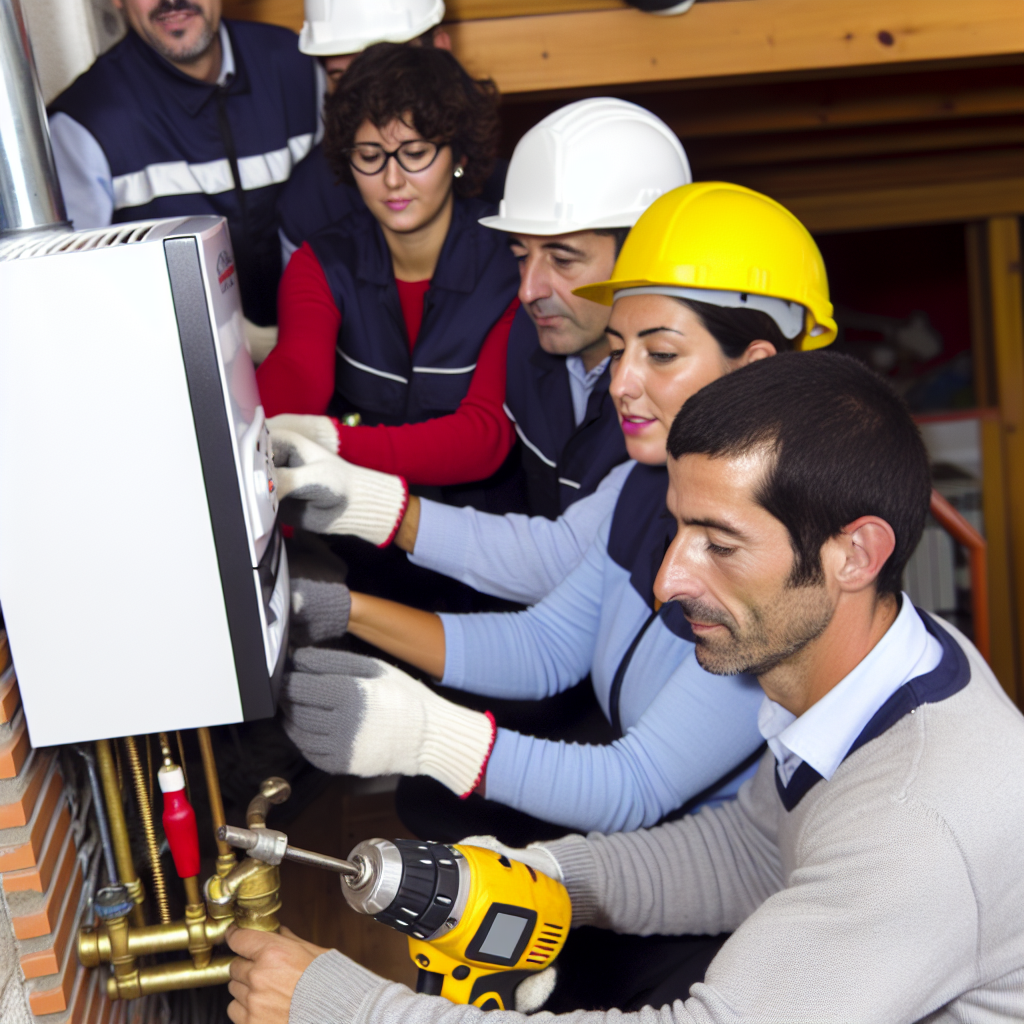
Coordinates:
x,y
179,822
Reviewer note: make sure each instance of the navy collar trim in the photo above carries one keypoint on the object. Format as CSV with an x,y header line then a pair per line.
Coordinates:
x,y
950,676
458,265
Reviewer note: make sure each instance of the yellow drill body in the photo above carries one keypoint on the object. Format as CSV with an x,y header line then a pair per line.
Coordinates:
x,y
514,922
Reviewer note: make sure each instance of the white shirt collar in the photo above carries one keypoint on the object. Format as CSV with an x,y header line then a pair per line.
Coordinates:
x,y
824,733
227,57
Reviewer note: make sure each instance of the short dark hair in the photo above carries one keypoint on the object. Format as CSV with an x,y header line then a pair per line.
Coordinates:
x,y
842,445
734,329
394,81
618,234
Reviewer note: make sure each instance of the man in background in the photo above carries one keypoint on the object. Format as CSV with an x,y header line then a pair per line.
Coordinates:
x,y
189,115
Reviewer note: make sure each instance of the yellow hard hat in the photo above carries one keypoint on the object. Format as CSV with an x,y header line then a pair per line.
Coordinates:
x,y
729,246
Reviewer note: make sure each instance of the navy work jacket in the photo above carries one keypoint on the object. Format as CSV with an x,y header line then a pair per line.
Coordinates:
x,y
177,146
314,198
562,462
475,281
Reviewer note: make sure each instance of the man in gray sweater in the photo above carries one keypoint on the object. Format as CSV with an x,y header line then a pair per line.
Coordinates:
x,y
871,871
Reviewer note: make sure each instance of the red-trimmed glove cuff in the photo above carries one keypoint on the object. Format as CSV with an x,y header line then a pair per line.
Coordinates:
x,y
337,429
397,527
487,757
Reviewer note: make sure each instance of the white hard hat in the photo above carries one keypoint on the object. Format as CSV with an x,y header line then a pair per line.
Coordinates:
x,y
596,163
335,27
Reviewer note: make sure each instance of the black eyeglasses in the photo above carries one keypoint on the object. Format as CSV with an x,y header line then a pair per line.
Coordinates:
x,y
413,156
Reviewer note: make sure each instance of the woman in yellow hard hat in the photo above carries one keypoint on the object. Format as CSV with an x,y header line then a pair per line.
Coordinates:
x,y
685,312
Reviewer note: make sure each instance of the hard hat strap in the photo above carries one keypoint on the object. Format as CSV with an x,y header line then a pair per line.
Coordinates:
x,y
790,316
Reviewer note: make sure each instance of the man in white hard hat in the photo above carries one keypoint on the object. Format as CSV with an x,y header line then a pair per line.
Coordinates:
x,y
335,32
576,184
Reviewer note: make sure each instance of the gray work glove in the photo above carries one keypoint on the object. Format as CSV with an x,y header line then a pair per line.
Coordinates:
x,y
320,609
338,497
349,714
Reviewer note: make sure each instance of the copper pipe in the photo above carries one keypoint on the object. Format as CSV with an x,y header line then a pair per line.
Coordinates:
x,y
192,894
977,553
145,813
149,771
176,975
119,829
225,852
184,770
165,749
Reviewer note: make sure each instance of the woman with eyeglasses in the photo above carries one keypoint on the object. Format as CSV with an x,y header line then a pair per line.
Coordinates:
x,y
400,313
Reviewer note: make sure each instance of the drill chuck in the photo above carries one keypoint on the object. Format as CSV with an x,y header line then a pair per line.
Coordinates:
x,y
417,888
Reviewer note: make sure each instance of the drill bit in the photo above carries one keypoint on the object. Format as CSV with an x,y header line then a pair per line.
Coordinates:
x,y
249,839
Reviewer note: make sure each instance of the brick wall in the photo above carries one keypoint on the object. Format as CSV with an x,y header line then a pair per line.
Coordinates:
x,y
48,868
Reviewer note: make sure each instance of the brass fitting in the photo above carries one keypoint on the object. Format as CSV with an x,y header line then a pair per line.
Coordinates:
x,y
274,790
259,900
96,945
125,978
175,975
254,888
195,922
246,894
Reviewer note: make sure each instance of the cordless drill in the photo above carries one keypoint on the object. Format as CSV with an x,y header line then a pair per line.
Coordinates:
x,y
477,922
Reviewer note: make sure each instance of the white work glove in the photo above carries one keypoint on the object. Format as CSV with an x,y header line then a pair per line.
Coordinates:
x,y
324,430
353,715
339,498
536,855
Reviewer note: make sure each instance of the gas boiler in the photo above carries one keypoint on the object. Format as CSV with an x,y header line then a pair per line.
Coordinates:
x,y
143,581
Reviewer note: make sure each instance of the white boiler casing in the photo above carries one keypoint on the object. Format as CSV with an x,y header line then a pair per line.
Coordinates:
x,y
143,580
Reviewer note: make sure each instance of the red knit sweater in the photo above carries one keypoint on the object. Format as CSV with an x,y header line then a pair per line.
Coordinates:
x,y
298,376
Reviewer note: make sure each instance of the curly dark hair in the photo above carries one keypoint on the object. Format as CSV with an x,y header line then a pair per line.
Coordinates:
x,y
422,85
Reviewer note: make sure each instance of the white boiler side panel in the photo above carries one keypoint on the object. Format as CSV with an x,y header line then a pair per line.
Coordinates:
x,y
108,571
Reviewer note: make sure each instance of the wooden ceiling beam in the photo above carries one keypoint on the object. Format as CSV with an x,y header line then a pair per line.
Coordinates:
x,y
782,181
746,151
699,118
904,205
744,37
470,10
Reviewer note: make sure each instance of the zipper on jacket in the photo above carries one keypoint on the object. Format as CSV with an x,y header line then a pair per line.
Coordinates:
x,y
228,139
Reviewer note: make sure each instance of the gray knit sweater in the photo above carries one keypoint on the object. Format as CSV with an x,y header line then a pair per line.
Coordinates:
x,y
893,892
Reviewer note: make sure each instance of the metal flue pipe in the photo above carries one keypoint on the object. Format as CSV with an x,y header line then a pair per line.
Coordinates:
x,y
30,197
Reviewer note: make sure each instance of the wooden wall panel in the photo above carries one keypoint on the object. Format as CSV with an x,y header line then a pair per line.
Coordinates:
x,y
614,45
1007,318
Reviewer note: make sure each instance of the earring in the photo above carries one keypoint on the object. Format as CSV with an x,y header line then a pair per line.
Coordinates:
x,y
459,172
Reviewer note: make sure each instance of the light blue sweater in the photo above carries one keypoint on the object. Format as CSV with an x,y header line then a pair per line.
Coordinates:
x,y
520,558
684,728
